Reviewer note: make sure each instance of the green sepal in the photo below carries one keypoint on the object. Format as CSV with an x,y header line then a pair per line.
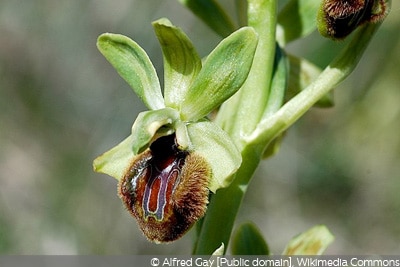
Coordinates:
x,y
303,73
300,13
247,240
134,66
312,242
149,125
117,160
223,73
213,144
181,61
211,13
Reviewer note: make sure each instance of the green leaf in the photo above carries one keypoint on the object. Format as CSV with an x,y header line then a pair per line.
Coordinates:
x,y
116,161
211,13
213,144
278,83
303,73
223,73
134,66
276,98
149,125
312,242
302,14
249,241
181,61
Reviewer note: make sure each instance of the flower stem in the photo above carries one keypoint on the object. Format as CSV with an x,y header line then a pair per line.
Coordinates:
x,y
219,220
217,225
334,73
240,115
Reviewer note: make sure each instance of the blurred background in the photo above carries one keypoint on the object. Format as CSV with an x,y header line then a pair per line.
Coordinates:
x,y
62,104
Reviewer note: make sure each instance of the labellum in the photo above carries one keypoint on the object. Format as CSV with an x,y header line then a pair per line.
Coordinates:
x,y
166,189
338,18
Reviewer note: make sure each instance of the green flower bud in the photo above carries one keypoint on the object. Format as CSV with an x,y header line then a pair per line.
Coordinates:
x,y
338,18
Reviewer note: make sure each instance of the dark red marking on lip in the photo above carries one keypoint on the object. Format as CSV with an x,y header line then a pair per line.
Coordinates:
x,y
162,182
165,189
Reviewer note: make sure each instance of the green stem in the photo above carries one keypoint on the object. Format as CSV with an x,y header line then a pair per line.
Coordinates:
x,y
252,98
239,116
337,71
218,222
217,225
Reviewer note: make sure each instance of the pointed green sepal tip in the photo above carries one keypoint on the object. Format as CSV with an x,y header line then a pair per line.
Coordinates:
x,y
134,66
117,160
181,61
223,73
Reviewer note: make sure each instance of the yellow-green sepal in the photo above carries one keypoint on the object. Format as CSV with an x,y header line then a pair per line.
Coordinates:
x,y
181,61
117,160
223,73
213,144
134,66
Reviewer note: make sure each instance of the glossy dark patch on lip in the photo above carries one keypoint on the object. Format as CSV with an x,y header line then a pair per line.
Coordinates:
x,y
166,190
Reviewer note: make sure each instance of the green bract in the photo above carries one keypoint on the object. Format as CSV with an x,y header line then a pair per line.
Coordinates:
x,y
191,92
312,242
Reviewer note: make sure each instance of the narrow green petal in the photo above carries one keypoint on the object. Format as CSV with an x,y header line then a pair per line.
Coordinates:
x,y
223,73
301,13
211,142
181,61
116,161
134,66
152,124
312,242
211,13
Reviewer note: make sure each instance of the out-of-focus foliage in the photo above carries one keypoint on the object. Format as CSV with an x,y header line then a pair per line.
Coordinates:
x,y
61,104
